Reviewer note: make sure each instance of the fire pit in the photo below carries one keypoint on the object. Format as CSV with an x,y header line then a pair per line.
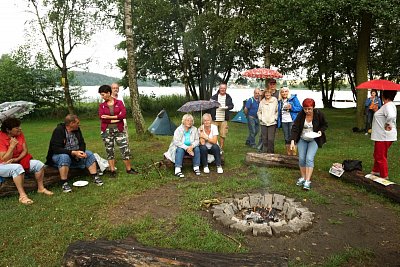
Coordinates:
x,y
263,214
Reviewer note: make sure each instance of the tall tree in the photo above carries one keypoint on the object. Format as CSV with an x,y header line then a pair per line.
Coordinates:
x,y
65,24
132,69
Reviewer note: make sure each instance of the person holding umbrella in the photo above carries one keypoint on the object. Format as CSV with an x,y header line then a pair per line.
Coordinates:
x,y
208,134
13,149
384,133
185,142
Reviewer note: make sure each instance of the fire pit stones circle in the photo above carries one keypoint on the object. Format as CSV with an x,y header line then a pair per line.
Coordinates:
x,y
297,218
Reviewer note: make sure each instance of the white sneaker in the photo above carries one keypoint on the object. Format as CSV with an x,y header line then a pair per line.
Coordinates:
x,y
220,170
206,170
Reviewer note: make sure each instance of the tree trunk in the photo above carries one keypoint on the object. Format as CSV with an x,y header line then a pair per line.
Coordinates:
x,y
132,69
67,93
362,65
357,177
130,253
272,160
51,177
267,60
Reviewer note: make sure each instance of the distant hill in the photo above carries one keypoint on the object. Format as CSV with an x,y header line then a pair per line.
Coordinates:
x,y
83,78
92,79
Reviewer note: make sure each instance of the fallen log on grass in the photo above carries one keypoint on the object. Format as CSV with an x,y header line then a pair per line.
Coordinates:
x,y
272,160
51,177
130,253
358,177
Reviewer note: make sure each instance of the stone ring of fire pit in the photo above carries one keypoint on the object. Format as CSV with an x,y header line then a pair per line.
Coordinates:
x,y
263,214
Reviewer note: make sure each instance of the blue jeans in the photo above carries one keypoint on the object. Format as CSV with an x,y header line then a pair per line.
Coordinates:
x,y
180,153
307,151
254,125
287,127
214,150
62,160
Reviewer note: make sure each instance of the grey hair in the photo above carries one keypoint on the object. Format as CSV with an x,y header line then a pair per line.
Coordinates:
x,y
207,115
187,116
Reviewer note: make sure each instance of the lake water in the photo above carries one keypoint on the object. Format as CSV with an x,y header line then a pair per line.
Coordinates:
x,y
237,94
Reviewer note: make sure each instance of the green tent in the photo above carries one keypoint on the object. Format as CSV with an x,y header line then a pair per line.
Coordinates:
x,y
162,125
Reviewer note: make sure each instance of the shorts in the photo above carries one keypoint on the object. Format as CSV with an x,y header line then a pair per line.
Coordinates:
x,y
62,160
222,128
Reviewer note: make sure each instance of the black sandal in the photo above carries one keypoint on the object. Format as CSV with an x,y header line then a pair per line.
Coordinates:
x,y
180,175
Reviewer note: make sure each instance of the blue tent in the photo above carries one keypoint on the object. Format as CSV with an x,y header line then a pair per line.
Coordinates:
x,y
162,125
240,117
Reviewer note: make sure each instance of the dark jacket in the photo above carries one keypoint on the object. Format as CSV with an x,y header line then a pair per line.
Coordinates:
x,y
228,103
319,124
58,141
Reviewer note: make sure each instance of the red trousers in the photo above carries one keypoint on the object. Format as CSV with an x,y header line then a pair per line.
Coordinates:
x,y
380,158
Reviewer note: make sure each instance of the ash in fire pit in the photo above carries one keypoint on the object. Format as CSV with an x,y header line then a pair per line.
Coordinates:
x,y
263,214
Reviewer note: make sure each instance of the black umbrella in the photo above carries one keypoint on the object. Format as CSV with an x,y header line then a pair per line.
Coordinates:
x,y
199,105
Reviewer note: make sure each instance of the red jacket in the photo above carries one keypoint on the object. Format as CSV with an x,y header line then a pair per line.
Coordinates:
x,y
119,111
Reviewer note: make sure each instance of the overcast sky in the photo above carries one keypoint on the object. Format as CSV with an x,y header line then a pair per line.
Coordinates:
x,y
13,16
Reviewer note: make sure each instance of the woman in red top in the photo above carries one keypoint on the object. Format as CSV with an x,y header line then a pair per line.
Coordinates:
x,y
13,149
112,113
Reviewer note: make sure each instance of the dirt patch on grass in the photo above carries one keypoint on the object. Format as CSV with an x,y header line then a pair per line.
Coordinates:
x,y
351,220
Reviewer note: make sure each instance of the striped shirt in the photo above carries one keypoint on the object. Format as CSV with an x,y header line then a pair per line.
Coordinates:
x,y
220,113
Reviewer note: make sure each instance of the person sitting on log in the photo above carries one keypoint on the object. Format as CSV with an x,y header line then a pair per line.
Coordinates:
x,y
67,149
16,161
185,142
208,134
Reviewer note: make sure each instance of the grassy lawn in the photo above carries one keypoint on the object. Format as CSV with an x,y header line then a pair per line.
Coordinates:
x,y
38,235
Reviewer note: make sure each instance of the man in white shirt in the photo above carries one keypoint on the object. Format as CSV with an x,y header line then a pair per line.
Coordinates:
x,y
220,115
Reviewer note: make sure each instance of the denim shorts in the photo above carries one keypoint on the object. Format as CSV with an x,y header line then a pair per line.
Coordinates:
x,y
10,170
61,160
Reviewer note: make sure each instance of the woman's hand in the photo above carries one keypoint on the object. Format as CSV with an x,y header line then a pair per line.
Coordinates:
x,y
13,142
189,150
388,127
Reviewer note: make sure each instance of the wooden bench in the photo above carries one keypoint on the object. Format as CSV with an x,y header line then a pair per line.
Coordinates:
x,y
187,161
51,177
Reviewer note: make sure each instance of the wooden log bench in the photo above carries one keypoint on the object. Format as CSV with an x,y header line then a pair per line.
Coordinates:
x,y
51,177
130,253
358,177
272,160
187,161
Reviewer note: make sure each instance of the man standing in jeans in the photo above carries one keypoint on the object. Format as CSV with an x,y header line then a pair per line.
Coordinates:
x,y
220,115
253,123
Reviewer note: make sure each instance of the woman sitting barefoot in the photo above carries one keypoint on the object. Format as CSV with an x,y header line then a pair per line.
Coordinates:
x,y
185,142
14,151
208,134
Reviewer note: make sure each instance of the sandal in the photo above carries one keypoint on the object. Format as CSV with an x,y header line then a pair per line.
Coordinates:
x,y
25,200
46,192
180,175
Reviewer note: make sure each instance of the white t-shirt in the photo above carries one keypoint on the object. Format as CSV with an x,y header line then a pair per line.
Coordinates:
x,y
213,132
386,114
307,128
220,113
285,112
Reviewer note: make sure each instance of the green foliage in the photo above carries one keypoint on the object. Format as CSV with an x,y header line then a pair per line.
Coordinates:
x,y
353,256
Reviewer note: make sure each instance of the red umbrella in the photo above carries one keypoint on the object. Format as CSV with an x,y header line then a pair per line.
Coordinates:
x,y
379,85
262,73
